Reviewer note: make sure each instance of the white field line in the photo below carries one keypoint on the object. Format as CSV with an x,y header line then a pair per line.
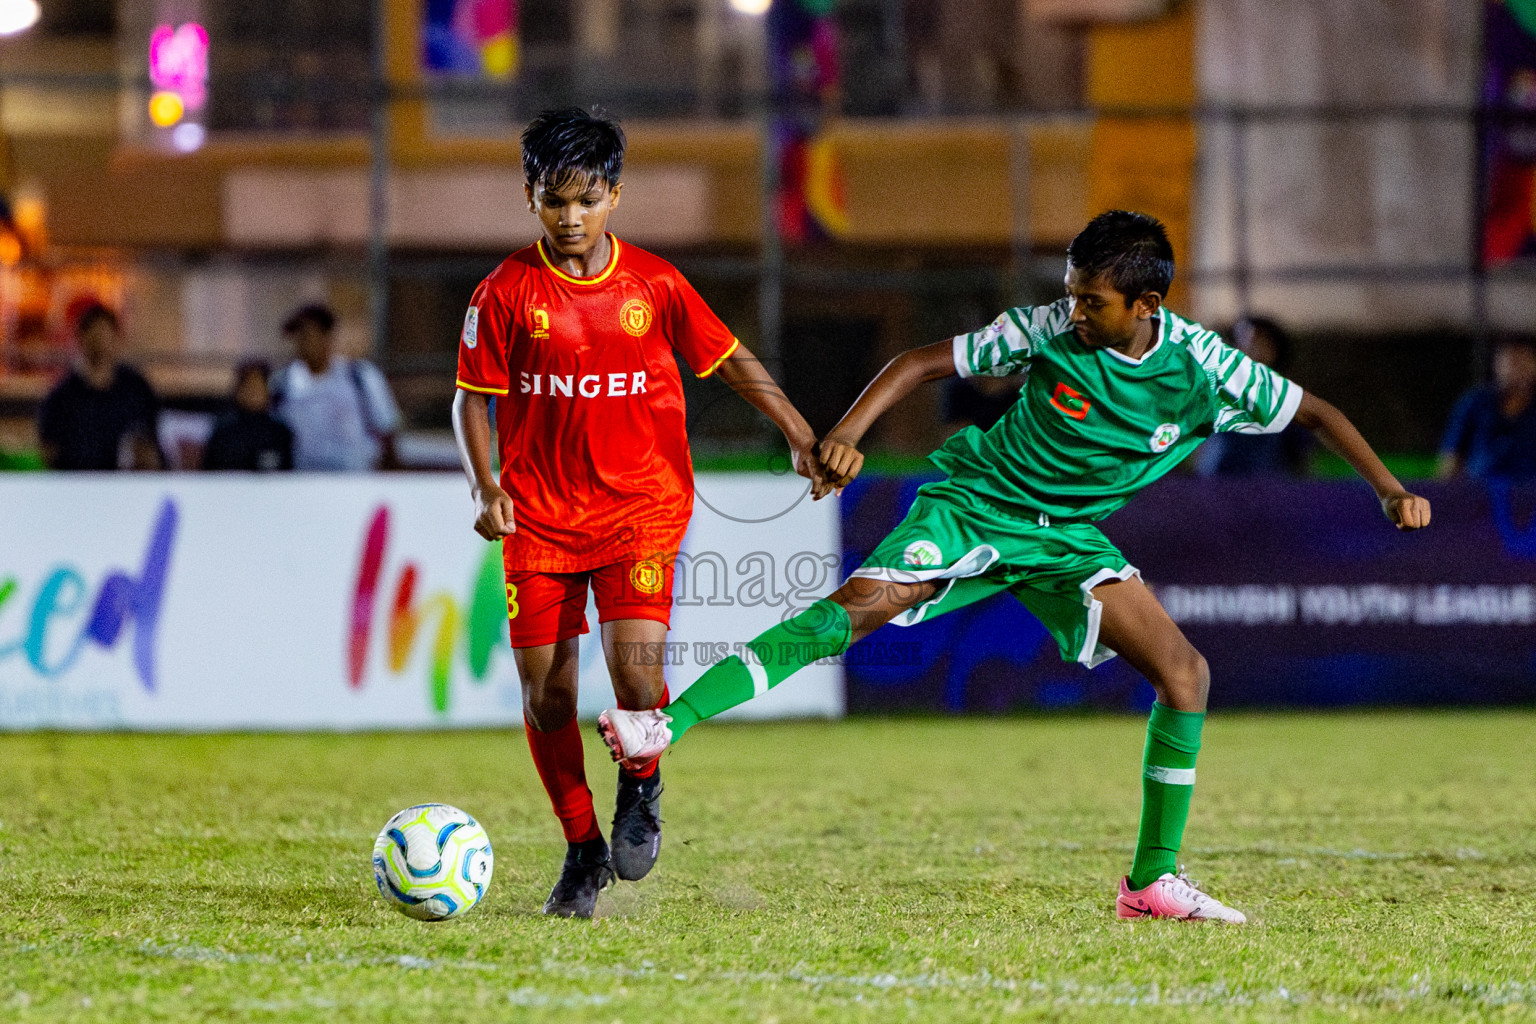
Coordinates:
x,y
1279,850
1420,989
524,996
1272,850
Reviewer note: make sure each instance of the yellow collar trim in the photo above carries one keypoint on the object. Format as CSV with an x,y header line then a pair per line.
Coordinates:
x,y
613,264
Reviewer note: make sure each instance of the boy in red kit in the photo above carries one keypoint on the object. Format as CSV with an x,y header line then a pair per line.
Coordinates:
x,y
574,336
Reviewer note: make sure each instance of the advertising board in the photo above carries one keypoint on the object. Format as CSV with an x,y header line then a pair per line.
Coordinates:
x,y
343,602
1298,593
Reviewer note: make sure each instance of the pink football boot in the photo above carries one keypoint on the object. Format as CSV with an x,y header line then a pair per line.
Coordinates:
x,y
635,738
1173,896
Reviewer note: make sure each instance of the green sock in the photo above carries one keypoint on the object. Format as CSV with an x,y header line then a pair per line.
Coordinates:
x,y
820,631
1167,781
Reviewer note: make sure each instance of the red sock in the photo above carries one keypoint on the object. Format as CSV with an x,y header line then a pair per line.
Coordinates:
x,y
558,757
650,769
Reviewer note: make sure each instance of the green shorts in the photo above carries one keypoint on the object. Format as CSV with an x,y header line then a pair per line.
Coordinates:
x,y
977,550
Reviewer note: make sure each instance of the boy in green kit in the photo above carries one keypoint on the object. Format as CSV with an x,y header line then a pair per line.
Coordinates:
x,y
1119,391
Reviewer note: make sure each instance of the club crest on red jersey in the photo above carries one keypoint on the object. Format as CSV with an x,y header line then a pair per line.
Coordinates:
x,y
635,317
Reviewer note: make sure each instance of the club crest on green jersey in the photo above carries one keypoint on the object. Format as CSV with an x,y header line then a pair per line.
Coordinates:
x,y
1163,438
923,553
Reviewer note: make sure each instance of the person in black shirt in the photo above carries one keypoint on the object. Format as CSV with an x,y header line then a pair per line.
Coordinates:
x,y
103,415
249,437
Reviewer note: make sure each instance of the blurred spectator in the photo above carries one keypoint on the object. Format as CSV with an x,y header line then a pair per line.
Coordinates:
x,y
249,437
1285,453
978,400
341,411
104,414
1492,430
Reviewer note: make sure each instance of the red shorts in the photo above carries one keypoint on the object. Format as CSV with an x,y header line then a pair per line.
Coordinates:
x,y
547,607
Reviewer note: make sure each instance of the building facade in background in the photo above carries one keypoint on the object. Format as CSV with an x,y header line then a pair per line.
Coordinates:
x,y
207,166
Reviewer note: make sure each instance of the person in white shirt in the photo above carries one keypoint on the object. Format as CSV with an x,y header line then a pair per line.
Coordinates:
x,y
340,409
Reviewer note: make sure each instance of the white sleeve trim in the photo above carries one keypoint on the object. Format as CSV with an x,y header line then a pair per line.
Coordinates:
x,y
961,353
1287,410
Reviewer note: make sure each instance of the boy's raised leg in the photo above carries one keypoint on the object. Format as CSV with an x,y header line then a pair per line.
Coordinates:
x,y
827,628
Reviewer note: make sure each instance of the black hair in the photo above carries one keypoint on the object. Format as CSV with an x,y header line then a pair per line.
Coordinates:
x,y
317,313
1132,249
94,312
1279,338
562,146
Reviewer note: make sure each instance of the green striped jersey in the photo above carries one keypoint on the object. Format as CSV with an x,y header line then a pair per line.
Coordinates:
x,y
1091,426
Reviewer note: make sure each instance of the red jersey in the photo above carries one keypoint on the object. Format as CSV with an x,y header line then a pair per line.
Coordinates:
x,y
589,407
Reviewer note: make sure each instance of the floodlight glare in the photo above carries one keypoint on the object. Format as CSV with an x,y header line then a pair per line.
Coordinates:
x,y
751,6
17,16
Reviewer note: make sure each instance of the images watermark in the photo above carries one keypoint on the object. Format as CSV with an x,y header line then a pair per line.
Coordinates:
x,y
706,653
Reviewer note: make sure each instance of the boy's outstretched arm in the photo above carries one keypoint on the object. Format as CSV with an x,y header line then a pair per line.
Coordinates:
x,y
839,449
472,431
752,381
1331,427
824,629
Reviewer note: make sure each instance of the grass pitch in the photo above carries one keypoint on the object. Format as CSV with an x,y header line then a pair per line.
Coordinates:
x,y
866,871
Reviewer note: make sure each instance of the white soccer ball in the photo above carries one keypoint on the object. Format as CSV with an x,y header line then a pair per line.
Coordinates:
x,y
432,862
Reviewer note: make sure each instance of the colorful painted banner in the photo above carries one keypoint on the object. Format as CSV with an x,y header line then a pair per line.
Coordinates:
x,y
1509,142
1297,593
805,72
470,37
333,602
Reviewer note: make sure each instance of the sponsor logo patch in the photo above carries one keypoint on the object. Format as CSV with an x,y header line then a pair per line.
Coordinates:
x,y
647,577
923,553
635,317
471,335
540,318
1163,438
